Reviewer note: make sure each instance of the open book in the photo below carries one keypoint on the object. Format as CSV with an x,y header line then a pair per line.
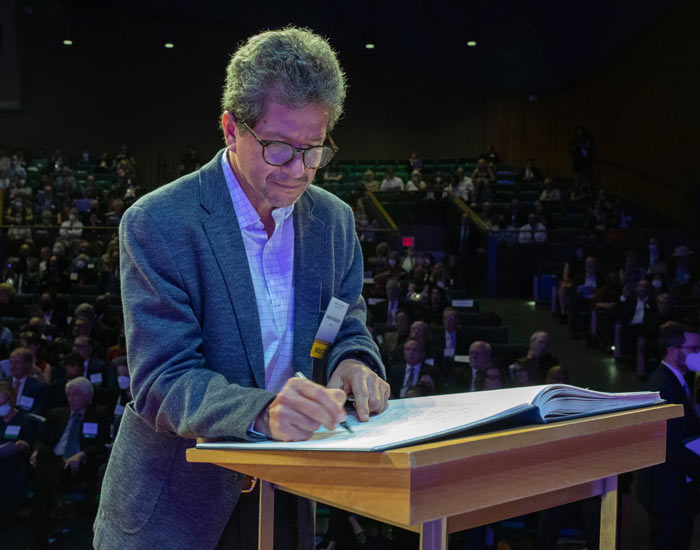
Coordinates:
x,y
420,419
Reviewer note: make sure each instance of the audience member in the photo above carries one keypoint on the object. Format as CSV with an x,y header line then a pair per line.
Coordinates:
x,y
531,173
391,182
463,378
30,392
70,448
534,231
404,376
416,182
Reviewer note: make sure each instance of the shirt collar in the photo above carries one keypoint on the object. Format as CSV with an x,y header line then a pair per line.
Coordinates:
x,y
675,371
248,218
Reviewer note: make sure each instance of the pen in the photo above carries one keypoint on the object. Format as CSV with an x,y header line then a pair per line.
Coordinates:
x,y
299,374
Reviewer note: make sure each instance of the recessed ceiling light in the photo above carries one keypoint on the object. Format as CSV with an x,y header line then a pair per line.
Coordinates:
x,y
471,43
169,45
67,42
369,46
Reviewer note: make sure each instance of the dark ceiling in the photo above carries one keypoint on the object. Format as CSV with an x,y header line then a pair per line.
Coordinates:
x,y
531,46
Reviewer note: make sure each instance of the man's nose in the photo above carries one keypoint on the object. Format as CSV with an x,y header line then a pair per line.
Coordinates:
x,y
295,167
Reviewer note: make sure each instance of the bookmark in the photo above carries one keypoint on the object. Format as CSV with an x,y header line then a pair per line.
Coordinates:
x,y
330,325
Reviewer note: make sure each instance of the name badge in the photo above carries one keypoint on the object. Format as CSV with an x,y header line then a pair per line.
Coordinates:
x,y
73,276
430,361
330,325
449,352
89,429
96,378
461,359
26,402
12,432
119,410
91,266
462,303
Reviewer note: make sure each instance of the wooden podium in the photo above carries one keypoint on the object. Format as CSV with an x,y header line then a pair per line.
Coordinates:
x,y
443,487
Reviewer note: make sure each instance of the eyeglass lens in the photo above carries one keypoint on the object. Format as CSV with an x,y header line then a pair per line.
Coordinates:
x,y
279,153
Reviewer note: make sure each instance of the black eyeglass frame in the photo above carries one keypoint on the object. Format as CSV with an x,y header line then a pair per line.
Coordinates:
x,y
303,150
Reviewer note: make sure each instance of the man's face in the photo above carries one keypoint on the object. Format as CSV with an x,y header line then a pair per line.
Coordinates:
x,y
77,400
413,352
590,265
392,291
419,330
266,186
450,320
19,366
479,356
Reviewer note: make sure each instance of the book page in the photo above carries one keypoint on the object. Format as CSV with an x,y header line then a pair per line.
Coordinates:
x,y
405,421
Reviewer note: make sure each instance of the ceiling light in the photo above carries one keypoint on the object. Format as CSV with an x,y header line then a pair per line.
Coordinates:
x,y
471,43
67,42
369,46
169,45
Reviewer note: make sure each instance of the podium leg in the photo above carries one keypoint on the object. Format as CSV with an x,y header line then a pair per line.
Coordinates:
x,y
608,514
433,535
266,517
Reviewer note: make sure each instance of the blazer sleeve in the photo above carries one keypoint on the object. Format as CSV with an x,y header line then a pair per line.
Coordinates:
x,y
173,389
353,335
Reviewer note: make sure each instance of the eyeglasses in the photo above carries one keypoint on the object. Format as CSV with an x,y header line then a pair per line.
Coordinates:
x,y
279,153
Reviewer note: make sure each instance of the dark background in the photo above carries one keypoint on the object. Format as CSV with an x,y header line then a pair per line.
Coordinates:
x,y
628,71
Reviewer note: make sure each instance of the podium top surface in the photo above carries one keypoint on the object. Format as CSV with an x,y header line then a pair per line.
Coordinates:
x,y
442,451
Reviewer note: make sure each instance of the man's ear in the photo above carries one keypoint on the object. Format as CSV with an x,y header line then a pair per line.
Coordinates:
x,y
228,123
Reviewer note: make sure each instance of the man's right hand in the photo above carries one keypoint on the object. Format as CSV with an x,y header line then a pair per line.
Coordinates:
x,y
299,409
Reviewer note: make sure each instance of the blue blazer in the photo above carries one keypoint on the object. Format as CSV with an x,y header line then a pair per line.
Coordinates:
x,y
196,354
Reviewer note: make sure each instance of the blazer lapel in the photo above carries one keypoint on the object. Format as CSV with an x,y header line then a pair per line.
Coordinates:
x,y
309,265
226,242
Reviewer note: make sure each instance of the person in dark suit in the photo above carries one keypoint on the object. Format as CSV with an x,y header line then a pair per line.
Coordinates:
x,y
403,376
56,394
70,448
633,310
669,491
449,339
213,336
30,392
462,378
103,379
385,312
18,432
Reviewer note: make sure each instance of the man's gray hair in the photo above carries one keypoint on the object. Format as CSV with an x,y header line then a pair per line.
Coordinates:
x,y
81,384
292,66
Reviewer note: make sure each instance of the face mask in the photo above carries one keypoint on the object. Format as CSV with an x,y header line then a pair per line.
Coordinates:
x,y
392,263
438,179
123,382
18,204
5,409
656,283
692,361
80,264
56,251
72,217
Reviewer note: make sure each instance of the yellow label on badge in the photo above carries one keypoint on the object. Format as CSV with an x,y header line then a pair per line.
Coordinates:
x,y
318,350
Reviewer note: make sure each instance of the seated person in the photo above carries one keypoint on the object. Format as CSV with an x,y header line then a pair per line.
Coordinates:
x,y
534,231
538,357
72,368
584,291
523,373
550,191
18,432
369,181
386,311
449,339
557,375
682,275
632,310
33,342
462,378
416,182
30,391
491,378
403,376
70,449
391,182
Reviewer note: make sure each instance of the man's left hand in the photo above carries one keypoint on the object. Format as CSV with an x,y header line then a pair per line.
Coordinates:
x,y
371,393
